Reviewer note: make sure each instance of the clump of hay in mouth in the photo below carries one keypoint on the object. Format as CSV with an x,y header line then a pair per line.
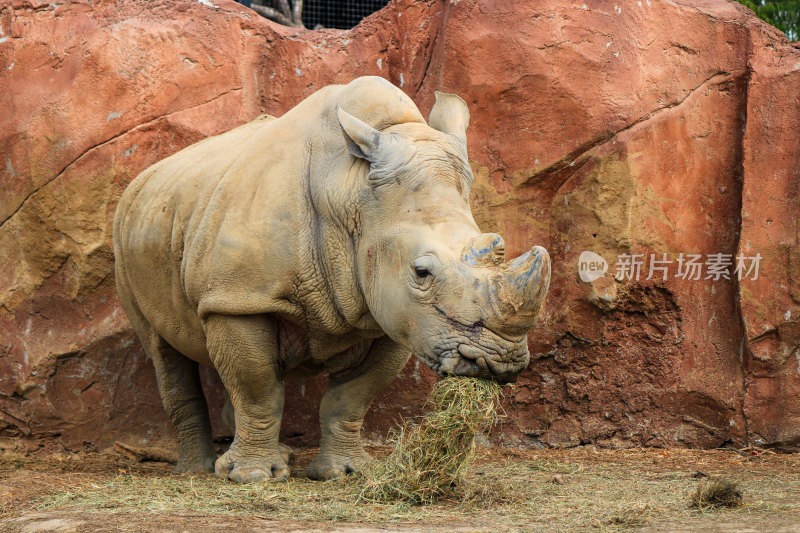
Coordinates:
x,y
715,492
430,458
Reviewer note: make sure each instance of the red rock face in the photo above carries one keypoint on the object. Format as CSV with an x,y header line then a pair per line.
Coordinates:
x,y
660,128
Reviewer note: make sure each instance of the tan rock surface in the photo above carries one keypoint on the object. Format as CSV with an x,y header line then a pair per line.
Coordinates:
x,y
631,129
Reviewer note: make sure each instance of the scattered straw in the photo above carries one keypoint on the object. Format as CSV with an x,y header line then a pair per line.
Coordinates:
x,y
715,492
429,459
504,490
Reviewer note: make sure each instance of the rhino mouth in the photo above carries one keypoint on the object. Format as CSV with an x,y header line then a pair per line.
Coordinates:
x,y
487,355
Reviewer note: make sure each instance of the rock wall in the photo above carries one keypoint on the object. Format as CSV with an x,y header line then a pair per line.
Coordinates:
x,y
649,127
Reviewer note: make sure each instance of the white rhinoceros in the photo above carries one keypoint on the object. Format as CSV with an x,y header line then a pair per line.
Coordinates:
x,y
337,238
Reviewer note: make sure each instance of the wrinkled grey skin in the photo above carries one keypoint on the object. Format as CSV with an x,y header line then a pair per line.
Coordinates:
x,y
337,238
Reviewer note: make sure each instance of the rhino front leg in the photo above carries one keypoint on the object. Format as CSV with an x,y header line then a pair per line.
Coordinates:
x,y
344,405
230,422
244,351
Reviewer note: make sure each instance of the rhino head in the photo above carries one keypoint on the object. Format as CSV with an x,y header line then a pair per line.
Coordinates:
x,y
431,280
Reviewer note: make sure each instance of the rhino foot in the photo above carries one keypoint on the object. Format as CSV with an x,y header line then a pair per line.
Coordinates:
x,y
195,465
328,465
285,451
249,468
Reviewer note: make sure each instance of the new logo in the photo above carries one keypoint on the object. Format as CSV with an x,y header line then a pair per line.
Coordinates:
x,y
591,266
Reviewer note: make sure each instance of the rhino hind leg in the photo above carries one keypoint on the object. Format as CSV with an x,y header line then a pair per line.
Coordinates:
x,y
344,405
183,398
244,351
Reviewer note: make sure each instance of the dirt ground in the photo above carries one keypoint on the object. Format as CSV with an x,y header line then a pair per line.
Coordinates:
x,y
508,490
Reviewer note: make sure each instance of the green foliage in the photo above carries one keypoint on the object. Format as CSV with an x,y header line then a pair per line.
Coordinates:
x,y
783,14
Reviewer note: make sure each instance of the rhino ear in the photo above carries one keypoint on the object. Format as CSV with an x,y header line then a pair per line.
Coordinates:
x,y
450,114
363,139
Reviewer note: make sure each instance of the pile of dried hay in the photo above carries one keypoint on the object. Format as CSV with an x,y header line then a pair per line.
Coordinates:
x,y
429,459
717,491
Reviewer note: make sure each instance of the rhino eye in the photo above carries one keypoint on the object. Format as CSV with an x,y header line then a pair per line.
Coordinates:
x,y
422,270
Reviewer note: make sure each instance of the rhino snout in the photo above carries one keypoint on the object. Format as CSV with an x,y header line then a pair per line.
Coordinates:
x,y
498,362
502,371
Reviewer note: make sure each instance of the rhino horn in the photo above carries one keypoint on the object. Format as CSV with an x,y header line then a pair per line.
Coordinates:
x,y
486,248
518,290
450,114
